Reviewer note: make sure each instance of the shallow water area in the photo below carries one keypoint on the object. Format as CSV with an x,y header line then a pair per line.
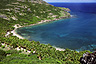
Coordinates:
x,y
76,33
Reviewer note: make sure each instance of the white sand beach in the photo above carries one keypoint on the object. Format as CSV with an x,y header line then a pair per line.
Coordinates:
x,y
20,37
15,34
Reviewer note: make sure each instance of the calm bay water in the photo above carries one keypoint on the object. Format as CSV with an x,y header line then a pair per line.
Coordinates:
x,y
76,33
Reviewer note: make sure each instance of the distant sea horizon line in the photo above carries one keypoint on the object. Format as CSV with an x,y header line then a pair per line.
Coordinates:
x,y
71,2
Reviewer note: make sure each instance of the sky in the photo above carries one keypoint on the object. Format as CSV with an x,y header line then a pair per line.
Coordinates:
x,y
70,0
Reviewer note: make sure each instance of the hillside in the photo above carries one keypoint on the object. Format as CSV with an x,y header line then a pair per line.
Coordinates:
x,y
26,12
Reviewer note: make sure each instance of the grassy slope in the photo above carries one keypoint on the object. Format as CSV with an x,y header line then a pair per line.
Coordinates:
x,y
24,13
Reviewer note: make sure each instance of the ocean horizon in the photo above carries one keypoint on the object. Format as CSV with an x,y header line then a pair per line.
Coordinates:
x,y
76,33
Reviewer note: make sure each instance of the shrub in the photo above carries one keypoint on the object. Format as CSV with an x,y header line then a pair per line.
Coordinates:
x,y
12,52
2,54
3,46
20,51
26,50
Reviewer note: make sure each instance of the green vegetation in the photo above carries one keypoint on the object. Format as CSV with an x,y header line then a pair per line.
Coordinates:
x,y
25,13
2,54
48,57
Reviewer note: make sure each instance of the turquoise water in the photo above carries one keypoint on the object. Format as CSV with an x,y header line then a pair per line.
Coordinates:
x,y
76,33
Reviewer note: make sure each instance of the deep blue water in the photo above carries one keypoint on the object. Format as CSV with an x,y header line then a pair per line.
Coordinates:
x,y
78,7
76,33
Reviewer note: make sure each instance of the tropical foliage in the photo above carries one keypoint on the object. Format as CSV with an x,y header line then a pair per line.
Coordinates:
x,y
25,13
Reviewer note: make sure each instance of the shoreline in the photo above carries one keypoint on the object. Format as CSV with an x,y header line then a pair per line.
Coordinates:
x,y
16,26
58,48
42,21
14,32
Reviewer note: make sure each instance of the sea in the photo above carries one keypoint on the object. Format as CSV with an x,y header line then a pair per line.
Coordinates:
x,y
76,33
